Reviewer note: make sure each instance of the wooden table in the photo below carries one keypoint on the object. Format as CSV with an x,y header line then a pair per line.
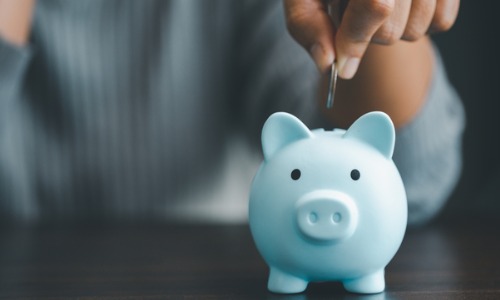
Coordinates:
x,y
165,261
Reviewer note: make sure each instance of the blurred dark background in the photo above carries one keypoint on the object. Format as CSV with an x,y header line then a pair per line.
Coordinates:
x,y
471,54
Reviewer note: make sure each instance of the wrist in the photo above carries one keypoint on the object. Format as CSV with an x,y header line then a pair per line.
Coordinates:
x,y
394,79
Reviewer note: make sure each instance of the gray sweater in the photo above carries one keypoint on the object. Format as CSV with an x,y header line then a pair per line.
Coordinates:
x,y
153,109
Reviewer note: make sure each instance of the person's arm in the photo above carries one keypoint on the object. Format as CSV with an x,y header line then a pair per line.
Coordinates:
x,y
15,23
406,80
393,78
15,20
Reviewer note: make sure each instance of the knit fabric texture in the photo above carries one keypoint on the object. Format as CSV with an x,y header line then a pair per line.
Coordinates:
x,y
153,109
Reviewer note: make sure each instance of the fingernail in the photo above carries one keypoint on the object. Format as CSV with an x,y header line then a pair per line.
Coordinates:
x,y
323,60
348,68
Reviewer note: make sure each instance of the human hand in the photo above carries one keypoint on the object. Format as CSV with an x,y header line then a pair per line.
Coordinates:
x,y
15,20
357,23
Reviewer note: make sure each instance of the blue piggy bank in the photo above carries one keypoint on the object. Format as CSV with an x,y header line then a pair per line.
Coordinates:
x,y
327,205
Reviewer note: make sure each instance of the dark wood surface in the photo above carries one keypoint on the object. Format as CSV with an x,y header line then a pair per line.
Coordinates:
x,y
165,261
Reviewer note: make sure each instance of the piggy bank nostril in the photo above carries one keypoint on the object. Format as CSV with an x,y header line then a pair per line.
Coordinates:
x,y
337,217
313,217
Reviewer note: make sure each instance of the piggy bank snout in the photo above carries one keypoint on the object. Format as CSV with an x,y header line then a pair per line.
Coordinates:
x,y
326,216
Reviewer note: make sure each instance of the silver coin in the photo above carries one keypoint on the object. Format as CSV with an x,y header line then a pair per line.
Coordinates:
x,y
332,86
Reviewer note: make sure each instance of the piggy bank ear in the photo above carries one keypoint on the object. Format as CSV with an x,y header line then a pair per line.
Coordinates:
x,y
280,130
376,129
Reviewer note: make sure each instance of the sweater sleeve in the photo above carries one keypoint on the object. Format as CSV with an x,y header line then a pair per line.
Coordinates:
x,y
13,178
428,150
13,62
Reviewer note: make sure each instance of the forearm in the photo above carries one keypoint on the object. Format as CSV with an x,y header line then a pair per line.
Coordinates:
x,y
15,20
394,79
15,23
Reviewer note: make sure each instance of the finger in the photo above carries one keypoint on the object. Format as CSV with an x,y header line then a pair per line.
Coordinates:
x,y
361,20
310,25
421,15
445,15
392,29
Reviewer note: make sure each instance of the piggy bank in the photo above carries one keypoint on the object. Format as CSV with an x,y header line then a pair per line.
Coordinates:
x,y
327,205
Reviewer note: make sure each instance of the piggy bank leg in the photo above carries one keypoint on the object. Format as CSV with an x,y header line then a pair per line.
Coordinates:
x,y
369,284
284,283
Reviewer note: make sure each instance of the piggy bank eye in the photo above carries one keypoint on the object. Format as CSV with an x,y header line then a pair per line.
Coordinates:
x,y
355,174
295,174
